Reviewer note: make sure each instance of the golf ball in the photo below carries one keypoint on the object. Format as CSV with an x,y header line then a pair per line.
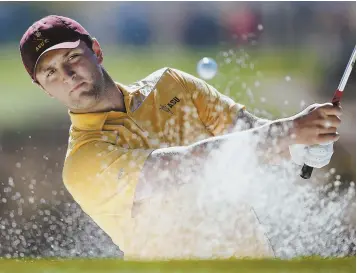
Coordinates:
x,y
207,68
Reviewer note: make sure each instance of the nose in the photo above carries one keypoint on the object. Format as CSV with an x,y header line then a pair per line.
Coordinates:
x,y
68,74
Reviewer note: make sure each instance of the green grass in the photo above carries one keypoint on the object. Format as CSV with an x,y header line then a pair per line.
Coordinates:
x,y
24,104
310,265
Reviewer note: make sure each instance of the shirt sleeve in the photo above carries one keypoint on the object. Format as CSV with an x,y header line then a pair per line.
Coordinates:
x,y
217,111
102,178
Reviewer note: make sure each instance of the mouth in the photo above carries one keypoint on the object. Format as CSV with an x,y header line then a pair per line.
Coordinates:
x,y
78,86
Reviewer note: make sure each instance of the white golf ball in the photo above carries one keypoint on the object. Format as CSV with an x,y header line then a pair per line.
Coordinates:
x,y
207,68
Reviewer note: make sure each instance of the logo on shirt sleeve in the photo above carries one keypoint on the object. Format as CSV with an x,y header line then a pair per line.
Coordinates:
x,y
167,108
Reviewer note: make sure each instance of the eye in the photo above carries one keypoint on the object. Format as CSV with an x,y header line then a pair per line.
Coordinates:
x,y
51,72
74,56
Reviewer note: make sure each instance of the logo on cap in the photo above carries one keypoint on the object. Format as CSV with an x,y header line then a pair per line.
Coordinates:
x,y
42,41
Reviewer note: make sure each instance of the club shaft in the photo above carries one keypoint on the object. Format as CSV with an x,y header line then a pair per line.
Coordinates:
x,y
348,70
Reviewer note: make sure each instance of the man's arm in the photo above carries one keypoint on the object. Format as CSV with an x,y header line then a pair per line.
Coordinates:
x,y
168,167
246,120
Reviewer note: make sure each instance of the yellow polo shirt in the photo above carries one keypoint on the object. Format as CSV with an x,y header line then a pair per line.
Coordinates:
x,y
107,151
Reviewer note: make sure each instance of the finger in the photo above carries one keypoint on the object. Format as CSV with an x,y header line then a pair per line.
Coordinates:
x,y
329,109
339,107
333,121
326,138
338,104
329,121
330,130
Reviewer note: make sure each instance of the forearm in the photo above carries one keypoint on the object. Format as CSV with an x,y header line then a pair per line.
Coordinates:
x,y
168,168
270,138
275,137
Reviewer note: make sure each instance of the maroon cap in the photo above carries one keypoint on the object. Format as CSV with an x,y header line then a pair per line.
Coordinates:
x,y
49,33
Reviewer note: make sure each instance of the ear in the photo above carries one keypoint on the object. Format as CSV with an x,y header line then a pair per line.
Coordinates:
x,y
97,50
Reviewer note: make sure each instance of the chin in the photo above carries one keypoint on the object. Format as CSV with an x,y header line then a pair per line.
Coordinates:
x,y
85,105
86,101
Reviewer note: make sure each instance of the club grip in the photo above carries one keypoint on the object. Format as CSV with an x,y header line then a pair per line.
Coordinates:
x,y
306,171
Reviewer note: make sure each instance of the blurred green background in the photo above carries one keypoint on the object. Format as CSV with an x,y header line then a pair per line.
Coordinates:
x,y
127,64
274,57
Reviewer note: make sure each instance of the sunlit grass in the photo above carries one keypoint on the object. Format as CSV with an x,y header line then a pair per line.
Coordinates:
x,y
309,265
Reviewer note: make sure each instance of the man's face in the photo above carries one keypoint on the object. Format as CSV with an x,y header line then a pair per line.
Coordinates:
x,y
73,76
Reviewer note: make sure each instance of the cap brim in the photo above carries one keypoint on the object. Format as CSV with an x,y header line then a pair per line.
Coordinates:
x,y
65,45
